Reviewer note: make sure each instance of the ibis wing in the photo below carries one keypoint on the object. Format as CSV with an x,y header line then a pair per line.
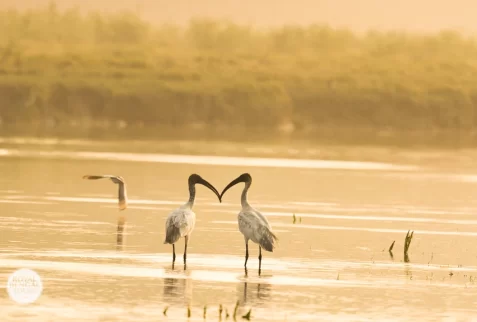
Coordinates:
x,y
179,223
248,225
253,226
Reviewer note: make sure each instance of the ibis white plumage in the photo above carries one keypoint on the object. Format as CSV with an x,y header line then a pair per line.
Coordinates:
x,y
181,221
252,224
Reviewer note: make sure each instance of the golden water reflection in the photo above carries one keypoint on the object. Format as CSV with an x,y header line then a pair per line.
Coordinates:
x,y
336,257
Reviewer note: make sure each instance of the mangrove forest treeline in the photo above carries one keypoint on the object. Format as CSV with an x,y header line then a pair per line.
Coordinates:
x,y
65,67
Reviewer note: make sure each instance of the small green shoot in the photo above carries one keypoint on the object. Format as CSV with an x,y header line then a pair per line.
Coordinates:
x,y
205,311
294,218
247,316
235,309
391,247
390,250
407,243
165,311
220,311
188,311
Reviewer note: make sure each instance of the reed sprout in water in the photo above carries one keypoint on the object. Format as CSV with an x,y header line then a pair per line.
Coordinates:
x,y
391,250
247,316
235,309
221,310
407,243
294,219
391,247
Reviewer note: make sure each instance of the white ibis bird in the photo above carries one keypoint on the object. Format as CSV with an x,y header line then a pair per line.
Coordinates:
x,y
122,196
122,200
252,224
181,221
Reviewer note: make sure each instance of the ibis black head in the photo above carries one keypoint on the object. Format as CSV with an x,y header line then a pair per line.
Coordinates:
x,y
196,179
115,179
245,177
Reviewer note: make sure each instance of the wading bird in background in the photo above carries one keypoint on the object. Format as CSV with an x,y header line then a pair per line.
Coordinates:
x,y
181,221
252,224
122,201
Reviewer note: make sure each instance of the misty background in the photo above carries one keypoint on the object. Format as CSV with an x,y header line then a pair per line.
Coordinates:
x,y
352,72
362,15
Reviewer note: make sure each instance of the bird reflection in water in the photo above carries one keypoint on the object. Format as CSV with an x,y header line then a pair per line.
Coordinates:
x,y
122,203
120,233
178,289
255,294
408,271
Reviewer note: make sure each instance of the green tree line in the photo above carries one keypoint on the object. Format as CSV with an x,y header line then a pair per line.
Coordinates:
x,y
59,67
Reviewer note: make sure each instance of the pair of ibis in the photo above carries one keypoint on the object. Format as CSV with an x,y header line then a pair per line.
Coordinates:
x,y
181,221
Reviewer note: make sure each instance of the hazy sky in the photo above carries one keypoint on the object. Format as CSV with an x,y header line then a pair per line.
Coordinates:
x,y
411,15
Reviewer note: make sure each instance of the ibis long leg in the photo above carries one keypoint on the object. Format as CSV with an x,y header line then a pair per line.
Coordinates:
x,y
259,260
185,250
173,255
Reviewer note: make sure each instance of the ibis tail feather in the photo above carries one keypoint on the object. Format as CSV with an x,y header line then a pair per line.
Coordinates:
x,y
173,234
268,239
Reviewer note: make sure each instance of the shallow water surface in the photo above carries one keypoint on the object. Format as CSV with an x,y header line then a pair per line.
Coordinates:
x,y
331,264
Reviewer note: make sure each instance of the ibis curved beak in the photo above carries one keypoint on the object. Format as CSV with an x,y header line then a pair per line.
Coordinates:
x,y
211,187
231,184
